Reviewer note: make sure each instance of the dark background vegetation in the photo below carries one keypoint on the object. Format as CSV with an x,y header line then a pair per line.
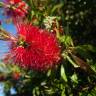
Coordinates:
x,y
78,43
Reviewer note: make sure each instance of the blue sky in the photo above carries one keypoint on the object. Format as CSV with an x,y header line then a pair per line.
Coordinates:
x,y
8,27
1,89
3,45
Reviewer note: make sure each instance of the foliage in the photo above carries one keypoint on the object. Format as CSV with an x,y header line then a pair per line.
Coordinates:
x,y
73,23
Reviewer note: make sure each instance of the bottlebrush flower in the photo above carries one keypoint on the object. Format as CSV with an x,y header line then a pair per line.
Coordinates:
x,y
35,48
15,8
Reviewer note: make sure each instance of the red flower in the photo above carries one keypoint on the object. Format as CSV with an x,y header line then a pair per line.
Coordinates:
x,y
35,48
14,1
15,8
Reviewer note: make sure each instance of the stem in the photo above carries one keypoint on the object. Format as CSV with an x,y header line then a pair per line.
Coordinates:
x,y
3,34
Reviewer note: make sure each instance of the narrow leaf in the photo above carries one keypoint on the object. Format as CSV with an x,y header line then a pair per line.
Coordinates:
x,y
72,62
63,74
4,35
74,78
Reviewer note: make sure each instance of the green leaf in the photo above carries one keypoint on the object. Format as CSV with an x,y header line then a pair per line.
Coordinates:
x,y
74,78
87,48
65,56
72,62
4,68
63,92
36,91
58,6
49,73
63,74
66,40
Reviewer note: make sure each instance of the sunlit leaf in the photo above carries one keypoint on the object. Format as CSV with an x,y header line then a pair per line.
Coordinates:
x,y
74,78
63,74
49,73
66,40
65,56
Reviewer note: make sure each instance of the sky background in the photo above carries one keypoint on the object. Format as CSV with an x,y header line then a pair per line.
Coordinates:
x,y
3,45
8,27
